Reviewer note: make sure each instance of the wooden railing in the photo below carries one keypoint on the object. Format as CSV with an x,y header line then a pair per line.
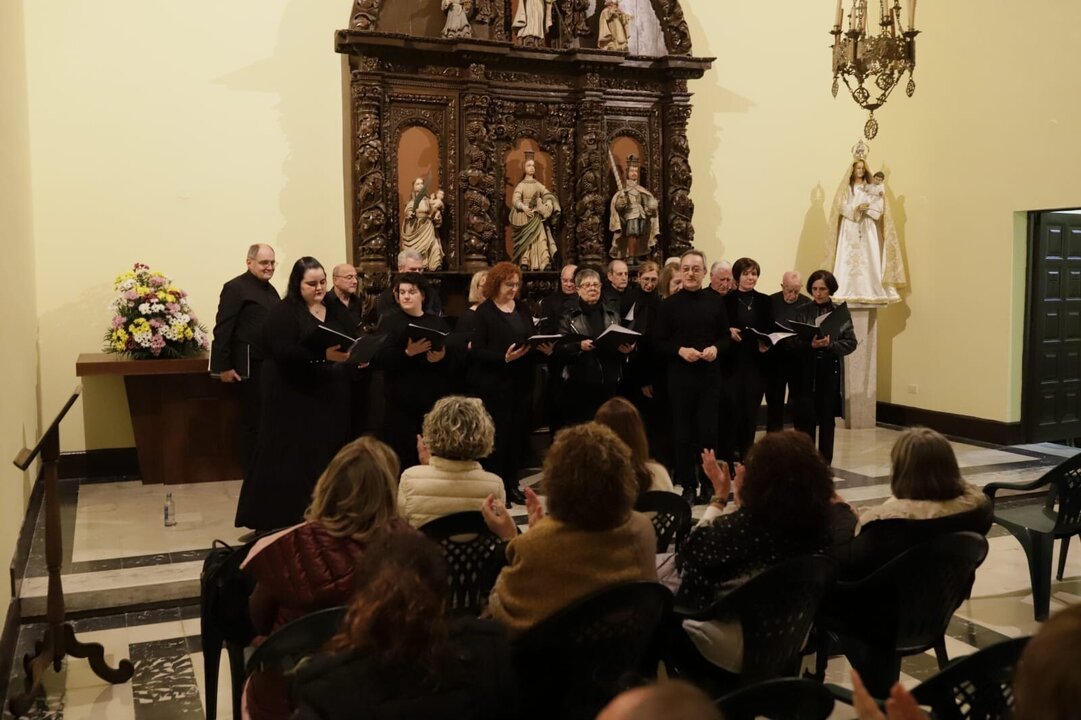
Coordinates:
x,y
59,639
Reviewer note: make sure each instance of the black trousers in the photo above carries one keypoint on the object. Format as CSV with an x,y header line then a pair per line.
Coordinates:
x,y
782,373
694,396
250,409
818,406
747,386
510,410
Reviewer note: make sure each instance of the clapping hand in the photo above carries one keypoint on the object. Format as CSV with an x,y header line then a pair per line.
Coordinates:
x,y
717,474
497,518
900,705
533,507
417,347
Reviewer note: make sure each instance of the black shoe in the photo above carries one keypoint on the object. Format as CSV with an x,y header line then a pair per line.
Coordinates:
x,y
516,497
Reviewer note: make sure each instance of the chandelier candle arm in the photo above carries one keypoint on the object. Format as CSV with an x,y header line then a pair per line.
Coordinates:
x,y
839,16
912,16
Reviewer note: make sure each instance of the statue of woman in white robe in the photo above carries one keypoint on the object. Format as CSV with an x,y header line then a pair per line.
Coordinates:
x,y
423,214
533,20
533,208
864,251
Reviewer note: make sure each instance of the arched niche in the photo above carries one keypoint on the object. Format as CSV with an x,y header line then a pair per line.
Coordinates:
x,y
622,146
513,172
418,156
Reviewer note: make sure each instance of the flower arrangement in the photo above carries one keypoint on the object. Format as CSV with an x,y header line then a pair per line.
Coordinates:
x,y
152,318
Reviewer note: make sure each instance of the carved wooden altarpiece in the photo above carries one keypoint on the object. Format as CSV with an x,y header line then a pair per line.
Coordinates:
x,y
481,97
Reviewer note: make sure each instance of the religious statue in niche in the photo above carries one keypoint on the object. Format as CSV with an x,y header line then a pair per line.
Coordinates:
x,y
457,25
534,209
423,215
533,20
635,222
864,250
613,28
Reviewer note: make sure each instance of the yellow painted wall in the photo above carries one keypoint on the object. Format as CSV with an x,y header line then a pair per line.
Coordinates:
x,y
994,129
19,424
177,134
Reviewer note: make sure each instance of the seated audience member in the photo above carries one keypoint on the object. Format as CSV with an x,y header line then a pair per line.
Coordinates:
x,y
457,433
623,418
311,566
672,700
590,539
929,498
398,654
783,509
1046,682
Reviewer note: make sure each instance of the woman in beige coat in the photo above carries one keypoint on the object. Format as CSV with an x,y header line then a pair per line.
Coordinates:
x,y
457,432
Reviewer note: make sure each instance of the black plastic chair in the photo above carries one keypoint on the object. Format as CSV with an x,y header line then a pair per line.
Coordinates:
x,y
474,555
775,609
1037,526
778,699
577,660
901,609
976,687
284,648
670,515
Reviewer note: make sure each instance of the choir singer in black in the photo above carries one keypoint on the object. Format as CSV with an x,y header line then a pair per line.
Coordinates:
x,y
748,310
783,364
692,332
237,352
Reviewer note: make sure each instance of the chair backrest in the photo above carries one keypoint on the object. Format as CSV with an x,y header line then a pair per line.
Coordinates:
x,y
978,686
1065,479
778,699
776,608
577,660
474,555
911,599
288,645
670,515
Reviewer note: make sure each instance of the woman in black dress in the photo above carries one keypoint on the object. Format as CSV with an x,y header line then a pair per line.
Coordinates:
x,y
501,371
305,403
746,379
414,374
822,382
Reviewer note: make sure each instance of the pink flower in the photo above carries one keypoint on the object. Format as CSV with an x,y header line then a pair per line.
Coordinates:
x,y
157,281
156,323
118,322
172,308
130,295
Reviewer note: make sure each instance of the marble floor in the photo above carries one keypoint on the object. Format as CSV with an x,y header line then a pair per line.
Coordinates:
x,y
118,556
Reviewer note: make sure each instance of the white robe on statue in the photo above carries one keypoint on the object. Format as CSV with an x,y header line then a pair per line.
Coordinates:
x,y
859,265
533,18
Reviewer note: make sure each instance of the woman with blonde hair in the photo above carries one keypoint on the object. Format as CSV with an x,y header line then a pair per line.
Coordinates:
x,y
458,432
311,566
623,418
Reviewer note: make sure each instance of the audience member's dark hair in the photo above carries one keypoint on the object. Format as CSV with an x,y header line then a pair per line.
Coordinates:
x,y
416,280
588,478
500,273
743,265
399,610
296,276
924,467
825,276
623,418
1047,682
788,487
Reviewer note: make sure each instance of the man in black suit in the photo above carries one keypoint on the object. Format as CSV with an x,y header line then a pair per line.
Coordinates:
x,y
783,362
237,351
409,261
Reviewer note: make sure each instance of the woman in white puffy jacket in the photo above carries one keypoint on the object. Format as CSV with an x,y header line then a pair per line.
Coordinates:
x,y
457,432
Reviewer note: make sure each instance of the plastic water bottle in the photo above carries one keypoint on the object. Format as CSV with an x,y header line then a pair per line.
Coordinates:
x,y
170,510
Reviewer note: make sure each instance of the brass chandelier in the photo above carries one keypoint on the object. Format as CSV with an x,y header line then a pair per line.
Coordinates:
x,y
880,60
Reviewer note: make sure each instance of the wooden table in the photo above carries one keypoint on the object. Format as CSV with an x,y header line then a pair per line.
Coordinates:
x,y
187,425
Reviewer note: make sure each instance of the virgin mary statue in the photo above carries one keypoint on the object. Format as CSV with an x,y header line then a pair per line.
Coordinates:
x,y
863,251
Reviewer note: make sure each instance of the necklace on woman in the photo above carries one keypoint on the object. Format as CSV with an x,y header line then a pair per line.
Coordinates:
x,y
748,306
318,311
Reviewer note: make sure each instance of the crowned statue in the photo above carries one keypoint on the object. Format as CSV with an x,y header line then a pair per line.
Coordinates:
x,y
613,28
534,209
635,222
423,216
864,251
